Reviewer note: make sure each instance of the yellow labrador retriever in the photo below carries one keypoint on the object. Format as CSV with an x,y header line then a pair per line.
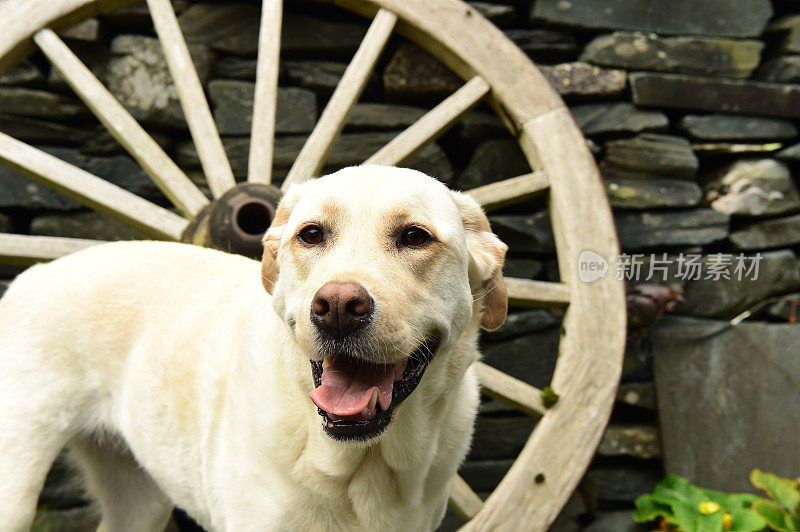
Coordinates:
x,y
341,398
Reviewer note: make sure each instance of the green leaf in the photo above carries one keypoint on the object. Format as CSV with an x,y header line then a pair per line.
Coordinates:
x,y
775,516
648,509
675,488
783,490
689,519
744,520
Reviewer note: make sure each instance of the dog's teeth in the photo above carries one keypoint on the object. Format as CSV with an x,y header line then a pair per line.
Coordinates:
x,y
399,368
326,362
372,402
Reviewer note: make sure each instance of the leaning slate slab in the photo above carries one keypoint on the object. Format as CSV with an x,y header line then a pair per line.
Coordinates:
x,y
727,58
729,403
730,18
716,95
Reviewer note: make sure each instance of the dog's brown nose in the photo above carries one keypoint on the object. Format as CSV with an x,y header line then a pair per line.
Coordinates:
x,y
340,308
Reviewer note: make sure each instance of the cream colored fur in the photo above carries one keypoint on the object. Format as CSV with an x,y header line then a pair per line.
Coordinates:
x,y
176,379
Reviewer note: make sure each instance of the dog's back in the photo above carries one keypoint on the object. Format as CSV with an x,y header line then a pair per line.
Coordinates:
x,y
68,330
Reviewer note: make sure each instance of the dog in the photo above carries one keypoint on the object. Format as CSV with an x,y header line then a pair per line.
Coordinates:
x,y
334,394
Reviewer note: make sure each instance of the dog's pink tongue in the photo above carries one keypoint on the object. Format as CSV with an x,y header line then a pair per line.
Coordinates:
x,y
348,384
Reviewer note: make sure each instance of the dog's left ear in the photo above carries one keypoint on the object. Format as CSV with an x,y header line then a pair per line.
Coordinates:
x,y
272,239
486,256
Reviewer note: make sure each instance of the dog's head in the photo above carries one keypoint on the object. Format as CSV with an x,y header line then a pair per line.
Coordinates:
x,y
377,273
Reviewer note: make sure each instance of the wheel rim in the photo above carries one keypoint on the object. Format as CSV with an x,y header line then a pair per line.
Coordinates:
x,y
590,352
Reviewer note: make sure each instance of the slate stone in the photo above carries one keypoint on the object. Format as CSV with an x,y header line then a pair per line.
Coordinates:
x,y
649,155
484,475
229,27
41,131
622,484
233,67
715,95
783,69
753,188
726,298
40,104
638,441
233,107
136,17
785,310
522,268
478,126
719,127
69,520
729,18
319,76
137,75
415,76
302,35
792,153
545,44
725,148
5,224
86,30
521,323
349,149
94,55
530,358
26,74
493,160
652,192
104,144
689,55
597,119
4,283
787,31
732,397
382,116
91,225
691,227
618,521
498,14
525,233
773,233
17,190
579,79
498,437
638,394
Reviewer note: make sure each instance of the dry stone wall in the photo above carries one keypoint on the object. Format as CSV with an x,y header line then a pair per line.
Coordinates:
x,y
691,109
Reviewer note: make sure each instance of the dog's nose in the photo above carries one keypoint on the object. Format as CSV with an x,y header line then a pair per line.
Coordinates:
x,y
340,308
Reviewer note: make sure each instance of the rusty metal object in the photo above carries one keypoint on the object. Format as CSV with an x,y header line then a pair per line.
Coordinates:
x,y
236,221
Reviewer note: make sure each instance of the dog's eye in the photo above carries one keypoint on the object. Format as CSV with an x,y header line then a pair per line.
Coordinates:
x,y
311,234
414,237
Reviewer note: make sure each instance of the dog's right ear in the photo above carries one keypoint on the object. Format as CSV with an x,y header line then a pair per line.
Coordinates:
x,y
273,236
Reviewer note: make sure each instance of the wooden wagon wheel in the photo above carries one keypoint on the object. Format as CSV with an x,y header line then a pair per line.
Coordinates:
x,y
590,351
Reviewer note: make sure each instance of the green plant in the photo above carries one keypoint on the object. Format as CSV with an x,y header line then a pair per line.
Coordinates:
x,y
687,508
782,510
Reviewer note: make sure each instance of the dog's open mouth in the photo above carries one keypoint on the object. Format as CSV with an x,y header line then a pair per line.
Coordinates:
x,y
356,398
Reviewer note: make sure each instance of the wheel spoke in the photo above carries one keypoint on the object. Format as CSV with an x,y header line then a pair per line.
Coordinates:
x,y
463,500
90,190
312,156
164,172
527,293
509,390
432,125
262,135
215,163
24,250
509,191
